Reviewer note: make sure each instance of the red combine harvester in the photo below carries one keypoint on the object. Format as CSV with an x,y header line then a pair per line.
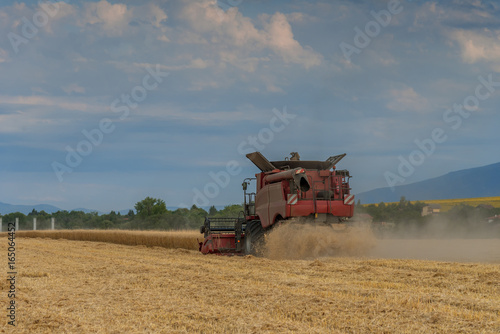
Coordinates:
x,y
285,189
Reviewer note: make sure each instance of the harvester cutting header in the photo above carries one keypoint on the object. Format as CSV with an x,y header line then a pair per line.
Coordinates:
x,y
285,189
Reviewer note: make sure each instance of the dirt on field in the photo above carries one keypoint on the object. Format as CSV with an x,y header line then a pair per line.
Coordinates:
x,y
94,287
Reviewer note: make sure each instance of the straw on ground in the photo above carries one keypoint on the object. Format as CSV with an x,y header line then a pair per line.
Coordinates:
x,y
95,287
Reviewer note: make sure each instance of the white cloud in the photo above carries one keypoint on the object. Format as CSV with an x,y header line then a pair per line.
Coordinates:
x,y
234,36
271,88
111,18
406,99
62,103
247,64
478,45
57,12
280,39
188,37
150,13
164,38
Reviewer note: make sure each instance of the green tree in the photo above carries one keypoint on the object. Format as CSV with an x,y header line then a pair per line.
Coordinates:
x,y
113,216
233,210
106,224
403,202
11,217
212,211
150,207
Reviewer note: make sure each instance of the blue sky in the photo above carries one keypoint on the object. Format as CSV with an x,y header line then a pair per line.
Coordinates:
x,y
161,98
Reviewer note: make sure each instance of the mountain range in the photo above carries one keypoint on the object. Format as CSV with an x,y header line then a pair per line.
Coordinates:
x,y
467,183
26,209
9,208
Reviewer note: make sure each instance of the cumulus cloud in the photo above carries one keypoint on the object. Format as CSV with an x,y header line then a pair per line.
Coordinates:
x,y
57,12
111,18
478,45
236,37
281,40
150,13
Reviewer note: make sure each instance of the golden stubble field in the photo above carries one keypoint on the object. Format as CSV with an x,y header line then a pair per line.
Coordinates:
x,y
67,286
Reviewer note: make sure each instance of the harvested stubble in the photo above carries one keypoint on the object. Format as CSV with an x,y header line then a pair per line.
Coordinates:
x,y
91,287
168,239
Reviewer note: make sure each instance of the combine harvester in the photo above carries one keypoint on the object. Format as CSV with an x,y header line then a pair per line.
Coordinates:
x,y
313,190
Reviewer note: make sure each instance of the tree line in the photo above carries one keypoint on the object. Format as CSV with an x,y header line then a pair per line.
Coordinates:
x,y
406,216
149,214
152,214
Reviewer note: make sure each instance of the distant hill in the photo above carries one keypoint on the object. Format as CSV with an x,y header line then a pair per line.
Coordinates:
x,y
206,208
86,210
467,183
9,208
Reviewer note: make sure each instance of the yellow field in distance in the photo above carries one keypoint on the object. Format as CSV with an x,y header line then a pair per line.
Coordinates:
x,y
168,239
447,204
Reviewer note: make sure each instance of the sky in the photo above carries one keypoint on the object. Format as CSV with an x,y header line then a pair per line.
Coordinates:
x,y
103,103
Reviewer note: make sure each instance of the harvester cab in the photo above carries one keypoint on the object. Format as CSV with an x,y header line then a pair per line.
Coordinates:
x,y
312,190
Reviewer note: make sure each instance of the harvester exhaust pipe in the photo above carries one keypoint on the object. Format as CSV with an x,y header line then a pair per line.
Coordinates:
x,y
298,175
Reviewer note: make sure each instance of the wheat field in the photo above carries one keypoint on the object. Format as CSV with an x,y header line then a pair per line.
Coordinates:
x,y
447,204
67,286
187,239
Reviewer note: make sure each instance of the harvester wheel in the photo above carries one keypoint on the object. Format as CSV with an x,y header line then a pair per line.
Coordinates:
x,y
254,237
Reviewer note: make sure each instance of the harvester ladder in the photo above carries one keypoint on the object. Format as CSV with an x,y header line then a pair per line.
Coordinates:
x,y
314,191
331,192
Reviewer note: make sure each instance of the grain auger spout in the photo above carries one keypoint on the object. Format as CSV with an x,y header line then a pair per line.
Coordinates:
x,y
297,175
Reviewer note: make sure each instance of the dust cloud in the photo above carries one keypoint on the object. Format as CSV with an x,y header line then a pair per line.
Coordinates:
x,y
439,241
453,250
297,240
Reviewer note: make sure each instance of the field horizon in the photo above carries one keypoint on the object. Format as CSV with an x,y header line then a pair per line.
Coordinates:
x,y
447,204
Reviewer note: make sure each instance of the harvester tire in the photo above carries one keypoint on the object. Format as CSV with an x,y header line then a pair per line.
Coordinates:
x,y
254,238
